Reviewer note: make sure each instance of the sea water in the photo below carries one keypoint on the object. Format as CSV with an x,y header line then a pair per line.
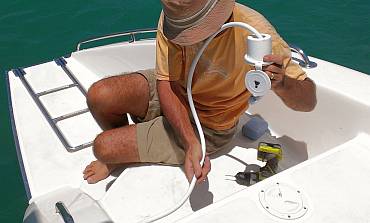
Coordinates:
x,y
37,31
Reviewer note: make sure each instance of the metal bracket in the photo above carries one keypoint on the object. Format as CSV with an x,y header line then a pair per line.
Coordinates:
x,y
19,72
60,61
305,62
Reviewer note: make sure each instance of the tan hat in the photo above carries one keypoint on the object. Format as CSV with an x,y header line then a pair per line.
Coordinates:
x,y
190,21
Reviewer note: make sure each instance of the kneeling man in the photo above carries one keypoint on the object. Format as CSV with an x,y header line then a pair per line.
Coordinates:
x,y
157,101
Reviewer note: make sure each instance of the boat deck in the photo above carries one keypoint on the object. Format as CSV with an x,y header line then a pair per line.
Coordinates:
x,y
331,190
139,191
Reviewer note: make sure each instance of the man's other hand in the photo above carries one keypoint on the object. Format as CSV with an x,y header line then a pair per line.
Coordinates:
x,y
192,167
275,71
297,95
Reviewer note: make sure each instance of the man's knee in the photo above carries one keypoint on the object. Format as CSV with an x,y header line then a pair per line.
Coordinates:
x,y
98,94
101,147
128,88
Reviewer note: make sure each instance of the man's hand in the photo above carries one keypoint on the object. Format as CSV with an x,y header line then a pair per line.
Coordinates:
x,y
177,115
192,167
297,95
275,71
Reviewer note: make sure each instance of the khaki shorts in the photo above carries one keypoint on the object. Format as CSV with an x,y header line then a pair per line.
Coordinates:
x,y
159,143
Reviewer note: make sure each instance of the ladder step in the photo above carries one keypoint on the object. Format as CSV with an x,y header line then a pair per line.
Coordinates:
x,y
56,89
70,115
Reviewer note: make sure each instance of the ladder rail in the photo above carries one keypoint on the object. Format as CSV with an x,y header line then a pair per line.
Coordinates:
x,y
63,64
45,112
132,34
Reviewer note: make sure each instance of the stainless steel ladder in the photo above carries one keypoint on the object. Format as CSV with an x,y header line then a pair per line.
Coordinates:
x,y
61,62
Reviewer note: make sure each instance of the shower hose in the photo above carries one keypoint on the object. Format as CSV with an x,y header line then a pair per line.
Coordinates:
x,y
195,116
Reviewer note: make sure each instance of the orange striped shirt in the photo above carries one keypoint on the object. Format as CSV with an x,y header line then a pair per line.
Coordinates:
x,y
219,92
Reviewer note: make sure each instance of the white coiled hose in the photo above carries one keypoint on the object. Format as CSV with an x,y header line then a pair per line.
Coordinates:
x,y
195,115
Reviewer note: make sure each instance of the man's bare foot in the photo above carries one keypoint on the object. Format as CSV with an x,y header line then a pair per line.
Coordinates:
x,y
97,171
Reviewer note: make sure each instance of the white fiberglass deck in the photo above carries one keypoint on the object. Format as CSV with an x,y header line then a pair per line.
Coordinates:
x,y
341,115
335,183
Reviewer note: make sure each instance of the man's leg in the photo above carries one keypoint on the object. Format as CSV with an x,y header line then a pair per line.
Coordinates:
x,y
112,148
109,101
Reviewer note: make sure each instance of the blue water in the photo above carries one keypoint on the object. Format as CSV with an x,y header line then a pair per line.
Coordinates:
x,y
32,32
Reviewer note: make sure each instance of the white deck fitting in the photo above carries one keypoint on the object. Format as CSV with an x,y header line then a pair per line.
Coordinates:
x,y
80,205
341,114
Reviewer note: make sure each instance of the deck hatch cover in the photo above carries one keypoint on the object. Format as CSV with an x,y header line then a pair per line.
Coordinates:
x,y
283,201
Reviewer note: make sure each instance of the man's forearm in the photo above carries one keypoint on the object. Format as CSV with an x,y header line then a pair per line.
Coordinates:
x,y
298,95
176,113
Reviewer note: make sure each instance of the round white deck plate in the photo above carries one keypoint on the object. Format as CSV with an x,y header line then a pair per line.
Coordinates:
x,y
283,201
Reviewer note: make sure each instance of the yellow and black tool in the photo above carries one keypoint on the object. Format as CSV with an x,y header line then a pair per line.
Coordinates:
x,y
267,151
271,154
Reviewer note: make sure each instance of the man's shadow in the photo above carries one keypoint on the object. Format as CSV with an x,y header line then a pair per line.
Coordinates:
x,y
201,196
